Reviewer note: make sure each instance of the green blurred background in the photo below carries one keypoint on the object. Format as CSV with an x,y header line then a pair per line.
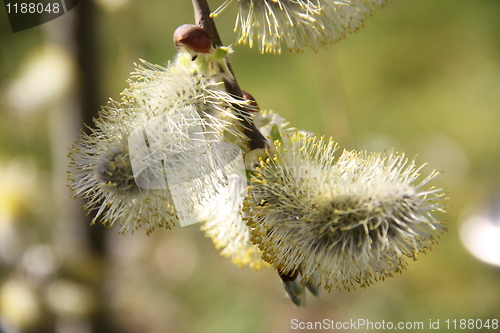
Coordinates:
x,y
422,76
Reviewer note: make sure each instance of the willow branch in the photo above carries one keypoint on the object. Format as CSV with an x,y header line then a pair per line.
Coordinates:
x,y
205,21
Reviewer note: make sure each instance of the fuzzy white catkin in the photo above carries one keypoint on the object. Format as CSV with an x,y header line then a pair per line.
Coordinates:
x,y
300,23
183,114
340,223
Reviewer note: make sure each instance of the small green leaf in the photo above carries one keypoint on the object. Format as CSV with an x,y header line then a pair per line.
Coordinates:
x,y
315,291
275,134
220,53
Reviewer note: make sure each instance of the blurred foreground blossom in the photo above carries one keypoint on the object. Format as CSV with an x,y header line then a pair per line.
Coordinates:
x,y
44,78
19,304
481,236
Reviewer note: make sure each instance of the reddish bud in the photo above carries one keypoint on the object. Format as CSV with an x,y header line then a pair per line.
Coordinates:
x,y
292,276
192,37
253,102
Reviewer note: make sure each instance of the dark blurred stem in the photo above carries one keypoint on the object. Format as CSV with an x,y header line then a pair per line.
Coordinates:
x,y
204,20
87,60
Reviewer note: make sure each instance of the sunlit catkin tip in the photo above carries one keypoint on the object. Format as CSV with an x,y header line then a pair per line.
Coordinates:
x,y
341,223
225,225
193,37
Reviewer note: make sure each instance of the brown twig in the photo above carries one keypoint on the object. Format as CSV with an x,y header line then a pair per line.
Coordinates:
x,y
204,20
